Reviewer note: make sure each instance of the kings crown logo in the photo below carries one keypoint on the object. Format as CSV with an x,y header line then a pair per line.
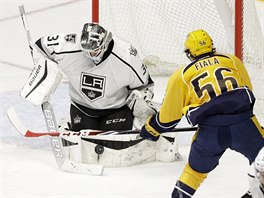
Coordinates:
x,y
92,86
91,94
77,120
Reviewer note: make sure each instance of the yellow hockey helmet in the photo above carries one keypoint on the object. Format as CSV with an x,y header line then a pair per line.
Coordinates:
x,y
198,43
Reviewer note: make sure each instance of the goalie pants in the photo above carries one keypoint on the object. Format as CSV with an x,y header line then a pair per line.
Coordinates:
x,y
105,120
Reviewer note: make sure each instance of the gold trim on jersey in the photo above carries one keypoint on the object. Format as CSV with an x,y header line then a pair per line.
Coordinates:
x,y
195,134
261,130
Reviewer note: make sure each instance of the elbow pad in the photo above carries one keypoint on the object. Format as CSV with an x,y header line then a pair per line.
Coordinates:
x,y
42,81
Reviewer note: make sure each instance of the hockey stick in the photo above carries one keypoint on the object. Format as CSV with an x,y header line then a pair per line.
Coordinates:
x,y
12,115
57,147
25,24
62,161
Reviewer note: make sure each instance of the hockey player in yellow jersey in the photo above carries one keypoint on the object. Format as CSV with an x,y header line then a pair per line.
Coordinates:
x,y
214,92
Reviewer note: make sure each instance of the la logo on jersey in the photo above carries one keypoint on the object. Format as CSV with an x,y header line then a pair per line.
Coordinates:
x,y
92,86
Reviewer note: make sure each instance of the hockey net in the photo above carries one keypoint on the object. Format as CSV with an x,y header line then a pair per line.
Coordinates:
x,y
158,28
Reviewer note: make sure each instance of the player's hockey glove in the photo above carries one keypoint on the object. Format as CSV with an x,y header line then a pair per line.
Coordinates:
x,y
148,131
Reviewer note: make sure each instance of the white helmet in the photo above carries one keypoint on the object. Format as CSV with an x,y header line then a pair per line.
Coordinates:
x,y
259,161
94,41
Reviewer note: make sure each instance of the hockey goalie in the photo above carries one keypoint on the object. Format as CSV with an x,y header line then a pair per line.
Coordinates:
x,y
110,90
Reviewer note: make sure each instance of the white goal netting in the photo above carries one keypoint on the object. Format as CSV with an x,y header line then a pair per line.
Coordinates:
x,y
158,28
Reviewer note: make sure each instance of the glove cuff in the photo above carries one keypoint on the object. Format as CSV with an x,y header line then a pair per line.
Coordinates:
x,y
150,129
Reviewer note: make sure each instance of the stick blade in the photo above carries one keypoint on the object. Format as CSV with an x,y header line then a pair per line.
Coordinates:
x,y
15,121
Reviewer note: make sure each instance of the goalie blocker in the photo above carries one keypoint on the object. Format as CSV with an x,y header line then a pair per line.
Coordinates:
x,y
42,82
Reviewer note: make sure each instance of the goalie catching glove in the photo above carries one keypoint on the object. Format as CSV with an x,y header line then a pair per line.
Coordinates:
x,y
140,104
43,81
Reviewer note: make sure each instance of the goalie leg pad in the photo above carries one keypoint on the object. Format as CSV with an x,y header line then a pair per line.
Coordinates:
x,y
117,150
167,148
72,148
74,167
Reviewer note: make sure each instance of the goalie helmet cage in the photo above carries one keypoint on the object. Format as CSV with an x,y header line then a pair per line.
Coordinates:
x,y
158,28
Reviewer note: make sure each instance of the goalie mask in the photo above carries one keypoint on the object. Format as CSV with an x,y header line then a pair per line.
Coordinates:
x,y
198,43
94,41
259,166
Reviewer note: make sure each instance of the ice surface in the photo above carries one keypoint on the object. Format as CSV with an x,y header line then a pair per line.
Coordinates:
x,y
28,168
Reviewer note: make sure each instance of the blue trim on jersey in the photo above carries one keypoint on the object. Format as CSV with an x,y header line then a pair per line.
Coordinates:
x,y
188,66
229,103
222,55
162,127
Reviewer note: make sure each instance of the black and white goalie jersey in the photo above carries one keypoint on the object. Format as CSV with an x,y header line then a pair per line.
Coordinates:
x,y
97,86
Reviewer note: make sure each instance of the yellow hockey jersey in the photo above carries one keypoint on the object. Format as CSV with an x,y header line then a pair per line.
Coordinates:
x,y
213,85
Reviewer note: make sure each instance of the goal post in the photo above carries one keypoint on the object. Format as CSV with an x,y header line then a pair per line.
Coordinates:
x,y
95,11
238,28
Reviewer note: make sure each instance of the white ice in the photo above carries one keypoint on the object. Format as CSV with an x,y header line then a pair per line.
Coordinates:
x,y
28,167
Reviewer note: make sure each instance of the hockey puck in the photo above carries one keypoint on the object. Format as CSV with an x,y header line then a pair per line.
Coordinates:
x,y
99,149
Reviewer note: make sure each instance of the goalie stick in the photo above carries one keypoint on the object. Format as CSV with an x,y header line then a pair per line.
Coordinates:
x,y
25,24
12,115
62,162
57,147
